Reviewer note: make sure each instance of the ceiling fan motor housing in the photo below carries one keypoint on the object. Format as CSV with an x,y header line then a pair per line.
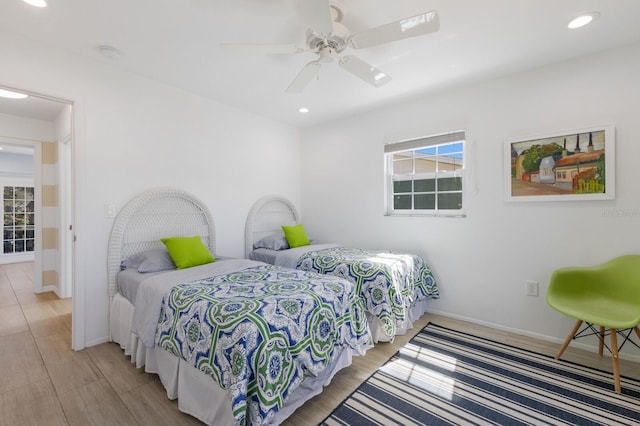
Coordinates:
x,y
337,40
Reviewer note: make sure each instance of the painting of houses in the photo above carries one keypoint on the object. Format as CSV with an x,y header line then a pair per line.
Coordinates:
x,y
571,164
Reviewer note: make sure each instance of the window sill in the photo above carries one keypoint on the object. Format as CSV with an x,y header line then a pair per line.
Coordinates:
x,y
457,213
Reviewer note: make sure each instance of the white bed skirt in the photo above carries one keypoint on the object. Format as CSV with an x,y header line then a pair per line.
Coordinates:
x,y
198,394
377,329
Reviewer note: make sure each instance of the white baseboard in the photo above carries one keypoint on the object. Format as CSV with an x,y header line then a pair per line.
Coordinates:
x,y
53,288
590,348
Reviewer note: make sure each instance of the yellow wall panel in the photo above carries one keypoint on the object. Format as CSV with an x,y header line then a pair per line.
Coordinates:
x,y
49,195
50,238
49,153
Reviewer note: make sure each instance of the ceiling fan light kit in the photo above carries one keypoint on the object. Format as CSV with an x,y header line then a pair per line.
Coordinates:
x,y
327,37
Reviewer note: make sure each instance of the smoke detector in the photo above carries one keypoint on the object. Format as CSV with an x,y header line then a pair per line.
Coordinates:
x,y
110,52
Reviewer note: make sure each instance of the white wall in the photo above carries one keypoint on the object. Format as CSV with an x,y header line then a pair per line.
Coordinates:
x,y
131,134
16,163
482,261
22,127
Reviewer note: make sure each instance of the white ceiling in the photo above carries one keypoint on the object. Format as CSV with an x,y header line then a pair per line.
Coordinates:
x,y
178,42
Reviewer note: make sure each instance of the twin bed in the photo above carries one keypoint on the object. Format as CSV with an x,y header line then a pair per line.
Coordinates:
x,y
236,341
394,287
239,341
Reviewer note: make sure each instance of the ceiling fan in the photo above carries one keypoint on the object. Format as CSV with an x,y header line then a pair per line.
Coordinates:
x,y
327,37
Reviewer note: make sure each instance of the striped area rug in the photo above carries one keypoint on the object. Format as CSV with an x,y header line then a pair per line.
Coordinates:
x,y
443,376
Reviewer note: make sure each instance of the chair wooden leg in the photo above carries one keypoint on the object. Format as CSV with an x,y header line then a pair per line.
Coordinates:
x,y
637,329
601,341
614,359
569,338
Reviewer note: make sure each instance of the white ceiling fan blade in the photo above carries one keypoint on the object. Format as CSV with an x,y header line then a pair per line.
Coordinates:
x,y
304,77
261,49
413,26
364,71
318,14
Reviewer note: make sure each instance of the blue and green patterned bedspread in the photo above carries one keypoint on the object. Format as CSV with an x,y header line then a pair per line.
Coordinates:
x,y
261,331
389,283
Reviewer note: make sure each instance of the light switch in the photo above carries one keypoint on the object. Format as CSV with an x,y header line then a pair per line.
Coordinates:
x,y
110,210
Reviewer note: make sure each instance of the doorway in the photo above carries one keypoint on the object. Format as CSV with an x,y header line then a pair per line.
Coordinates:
x,y
42,125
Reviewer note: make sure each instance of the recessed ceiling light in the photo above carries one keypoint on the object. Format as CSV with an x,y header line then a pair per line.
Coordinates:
x,y
583,20
303,110
12,95
36,3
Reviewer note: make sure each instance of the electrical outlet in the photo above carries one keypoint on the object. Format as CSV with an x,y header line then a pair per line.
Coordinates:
x,y
531,288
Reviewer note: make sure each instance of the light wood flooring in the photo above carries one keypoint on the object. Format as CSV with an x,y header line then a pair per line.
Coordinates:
x,y
44,382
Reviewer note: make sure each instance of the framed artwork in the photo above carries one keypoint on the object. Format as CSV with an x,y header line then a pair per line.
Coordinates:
x,y
569,165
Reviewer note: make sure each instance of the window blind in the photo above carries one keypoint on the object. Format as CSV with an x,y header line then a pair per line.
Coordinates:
x,y
422,142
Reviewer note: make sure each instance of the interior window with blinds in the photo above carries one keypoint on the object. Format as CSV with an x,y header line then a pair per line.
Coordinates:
x,y
425,176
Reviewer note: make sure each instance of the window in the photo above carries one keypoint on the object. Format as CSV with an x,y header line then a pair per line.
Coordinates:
x,y
425,176
18,226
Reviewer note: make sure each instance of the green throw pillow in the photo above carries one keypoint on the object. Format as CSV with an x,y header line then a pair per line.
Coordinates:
x,y
187,251
296,237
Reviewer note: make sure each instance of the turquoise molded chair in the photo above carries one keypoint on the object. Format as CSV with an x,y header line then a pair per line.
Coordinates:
x,y
607,296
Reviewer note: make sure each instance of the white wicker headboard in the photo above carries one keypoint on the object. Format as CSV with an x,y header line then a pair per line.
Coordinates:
x,y
266,217
155,214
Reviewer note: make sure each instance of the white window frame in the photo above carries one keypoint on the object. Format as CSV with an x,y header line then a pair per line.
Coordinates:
x,y
413,145
24,255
